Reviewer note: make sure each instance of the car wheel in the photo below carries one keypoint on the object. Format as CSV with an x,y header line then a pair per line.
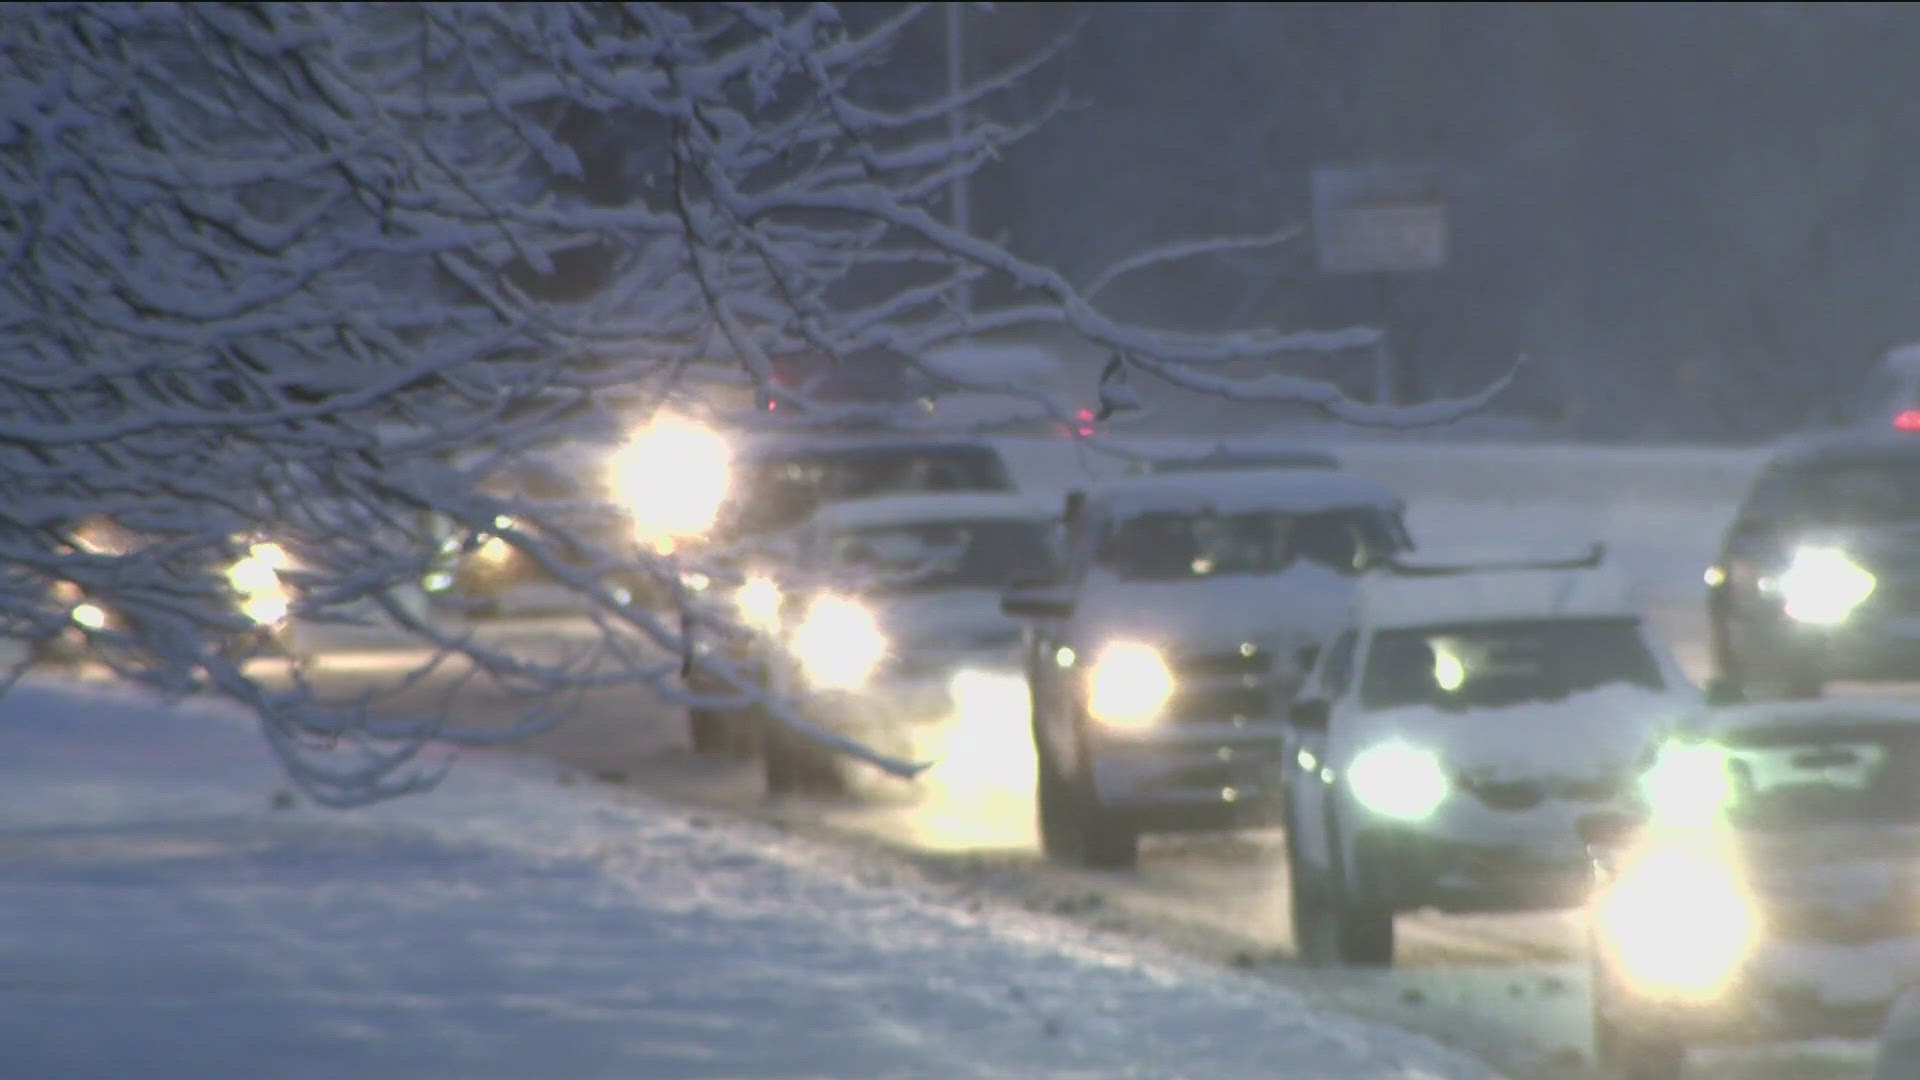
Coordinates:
x,y
706,730
1073,830
1629,1055
1315,925
1362,927
792,766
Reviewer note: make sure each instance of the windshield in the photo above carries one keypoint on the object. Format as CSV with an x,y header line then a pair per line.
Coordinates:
x,y
1490,665
776,493
1177,545
933,556
1849,492
1813,777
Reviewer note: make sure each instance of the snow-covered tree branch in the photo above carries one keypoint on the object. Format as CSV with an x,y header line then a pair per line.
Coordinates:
x,y
290,284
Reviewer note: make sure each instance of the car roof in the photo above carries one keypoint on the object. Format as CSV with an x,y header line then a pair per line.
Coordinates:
x,y
1491,586
1837,447
1836,712
881,510
1304,491
759,445
1225,458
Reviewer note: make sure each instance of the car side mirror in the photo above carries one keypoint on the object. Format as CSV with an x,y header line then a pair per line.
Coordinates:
x,y
1721,692
1310,714
1607,829
1037,600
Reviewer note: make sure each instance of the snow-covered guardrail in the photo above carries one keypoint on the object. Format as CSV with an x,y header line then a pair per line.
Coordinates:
x,y
1516,473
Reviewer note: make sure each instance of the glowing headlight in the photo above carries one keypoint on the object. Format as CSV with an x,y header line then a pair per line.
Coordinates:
x,y
1677,921
673,478
88,616
838,644
1129,685
1688,784
758,602
256,577
1398,781
1822,586
493,551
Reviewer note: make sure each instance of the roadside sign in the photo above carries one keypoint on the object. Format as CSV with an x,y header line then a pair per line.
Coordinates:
x,y
1378,219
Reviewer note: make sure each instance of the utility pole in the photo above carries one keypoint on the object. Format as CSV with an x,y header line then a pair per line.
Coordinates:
x,y
956,130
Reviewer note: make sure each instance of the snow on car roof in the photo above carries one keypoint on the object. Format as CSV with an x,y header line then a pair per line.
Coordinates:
x,y
1778,714
982,363
761,444
882,510
1385,598
1233,492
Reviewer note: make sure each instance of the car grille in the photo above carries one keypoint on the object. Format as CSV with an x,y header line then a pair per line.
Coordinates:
x,y
1225,685
1844,924
1225,703
1211,665
1526,794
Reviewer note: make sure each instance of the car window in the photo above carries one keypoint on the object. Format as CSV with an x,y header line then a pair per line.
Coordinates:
x,y
933,556
1338,670
1170,545
1861,492
1494,664
783,491
1785,778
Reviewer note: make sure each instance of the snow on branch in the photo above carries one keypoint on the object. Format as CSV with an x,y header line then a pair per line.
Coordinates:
x,y
292,296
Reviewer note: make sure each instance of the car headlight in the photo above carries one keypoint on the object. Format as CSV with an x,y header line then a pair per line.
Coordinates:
x,y
88,616
1398,781
673,478
264,597
1821,586
1688,784
1129,685
757,602
1677,921
838,644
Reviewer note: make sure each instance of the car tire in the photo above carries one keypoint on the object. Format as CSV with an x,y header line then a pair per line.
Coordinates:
x,y
792,766
1627,1055
1073,829
1315,925
1361,929
707,730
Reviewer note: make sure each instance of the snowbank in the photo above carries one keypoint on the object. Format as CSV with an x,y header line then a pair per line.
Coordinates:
x,y
164,921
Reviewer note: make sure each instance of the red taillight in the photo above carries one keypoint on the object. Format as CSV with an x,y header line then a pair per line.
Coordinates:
x,y
1907,420
1083,422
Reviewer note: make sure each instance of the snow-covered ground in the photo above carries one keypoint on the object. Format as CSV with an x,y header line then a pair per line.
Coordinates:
x,y
162,918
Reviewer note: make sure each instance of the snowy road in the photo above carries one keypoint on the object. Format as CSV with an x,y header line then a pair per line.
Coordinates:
x,y
163,919
1510,988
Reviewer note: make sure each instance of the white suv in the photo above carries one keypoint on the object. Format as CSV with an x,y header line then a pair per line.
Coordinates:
x,y
1162,658
1452,733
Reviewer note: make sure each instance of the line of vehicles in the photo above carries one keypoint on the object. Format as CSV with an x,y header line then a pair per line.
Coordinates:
x,y
1252,637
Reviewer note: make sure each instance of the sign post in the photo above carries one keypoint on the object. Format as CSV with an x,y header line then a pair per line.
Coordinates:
x,y
1379,219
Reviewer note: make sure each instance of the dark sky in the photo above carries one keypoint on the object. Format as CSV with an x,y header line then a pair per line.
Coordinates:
x,y
1690,216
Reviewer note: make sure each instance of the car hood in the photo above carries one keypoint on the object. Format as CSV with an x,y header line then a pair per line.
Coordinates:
x,y
1595,737
1891,547
1304,604
961,619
